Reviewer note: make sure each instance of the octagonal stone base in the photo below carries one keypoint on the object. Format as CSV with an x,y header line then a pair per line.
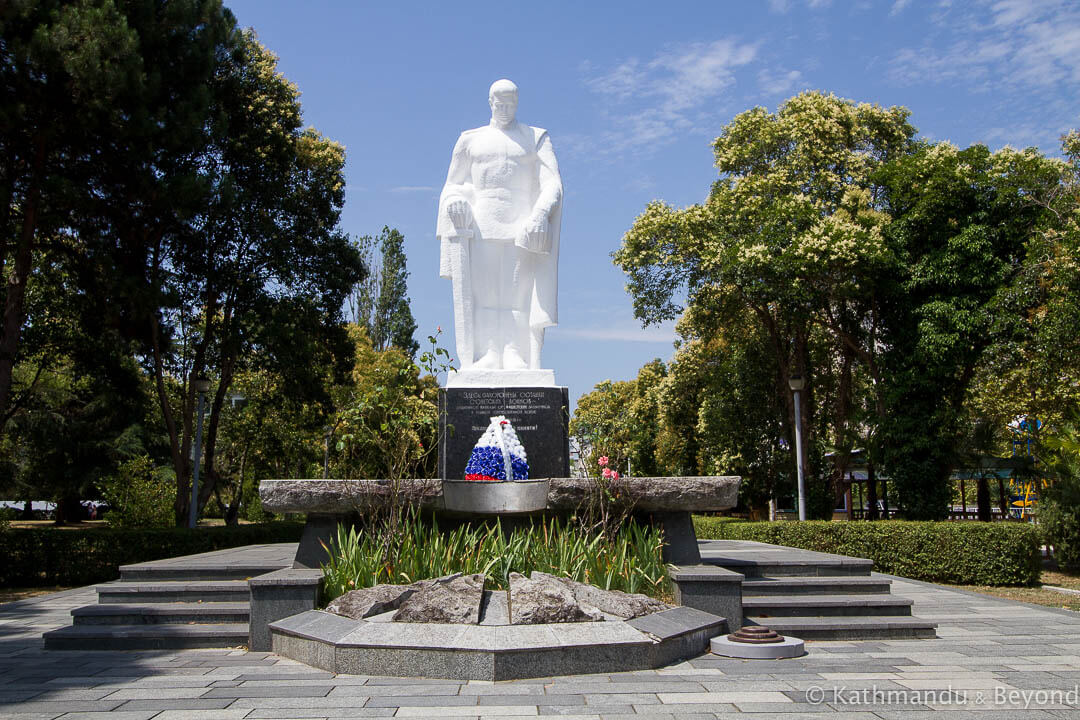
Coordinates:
x,y
500,652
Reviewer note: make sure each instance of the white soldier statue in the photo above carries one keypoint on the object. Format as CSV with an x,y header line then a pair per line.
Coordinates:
x,y
500,214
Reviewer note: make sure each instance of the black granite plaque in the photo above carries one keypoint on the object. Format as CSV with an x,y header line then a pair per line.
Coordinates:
x,y
540,415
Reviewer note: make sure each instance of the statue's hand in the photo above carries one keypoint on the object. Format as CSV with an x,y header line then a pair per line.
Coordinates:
x,y
459,213
533,235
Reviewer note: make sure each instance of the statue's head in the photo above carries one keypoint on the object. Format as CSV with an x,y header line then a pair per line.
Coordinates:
x,y
502,97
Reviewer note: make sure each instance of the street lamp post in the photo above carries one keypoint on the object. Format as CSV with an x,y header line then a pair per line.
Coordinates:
x,y
797,383
202,385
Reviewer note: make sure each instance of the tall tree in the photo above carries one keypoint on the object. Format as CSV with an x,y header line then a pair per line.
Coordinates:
x,y
71,79
829,219
777,227
228,254
963,222
381,302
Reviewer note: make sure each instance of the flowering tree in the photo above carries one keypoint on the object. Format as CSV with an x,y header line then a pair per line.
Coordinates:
x,y
789,227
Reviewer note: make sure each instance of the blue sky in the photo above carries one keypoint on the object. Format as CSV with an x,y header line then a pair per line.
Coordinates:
x,y
632,94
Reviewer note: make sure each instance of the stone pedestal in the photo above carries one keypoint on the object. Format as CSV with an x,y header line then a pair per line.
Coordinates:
x,y
540,416
709,588
278,595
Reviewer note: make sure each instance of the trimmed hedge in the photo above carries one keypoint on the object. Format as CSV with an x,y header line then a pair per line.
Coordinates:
x,y
958,553
51,556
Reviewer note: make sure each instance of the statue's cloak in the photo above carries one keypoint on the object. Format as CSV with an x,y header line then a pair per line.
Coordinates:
x,y
454,248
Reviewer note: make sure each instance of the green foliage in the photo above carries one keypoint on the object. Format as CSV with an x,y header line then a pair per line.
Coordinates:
x,y
782,246
721,413
960,553
388,417
620,421
252,504
962,220
1059,503
265,432
1028,373
140,495
48,556
436,360
381,302
7,514
628,561
1059,519
836,247
80,411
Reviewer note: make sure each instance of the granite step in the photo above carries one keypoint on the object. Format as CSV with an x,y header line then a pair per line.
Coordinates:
x,y
181,613
173,591
815,585
754,559
146,637
826,605
154,572
851,627
768,567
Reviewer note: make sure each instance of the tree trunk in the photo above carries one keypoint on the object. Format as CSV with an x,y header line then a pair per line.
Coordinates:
x,y
840,436
871,493
1003,500
68,510
982,499
232,510
177,452
16,280
209,446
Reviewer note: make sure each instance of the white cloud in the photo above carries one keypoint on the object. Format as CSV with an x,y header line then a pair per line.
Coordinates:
x,y
1011,42
898,7
1003,49
779,82
412,189
780,7
663,96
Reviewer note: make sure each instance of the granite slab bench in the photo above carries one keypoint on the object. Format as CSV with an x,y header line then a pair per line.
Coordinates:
x,y
667,501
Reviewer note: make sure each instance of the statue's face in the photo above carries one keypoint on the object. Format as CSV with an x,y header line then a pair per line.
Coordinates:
x,y
503,109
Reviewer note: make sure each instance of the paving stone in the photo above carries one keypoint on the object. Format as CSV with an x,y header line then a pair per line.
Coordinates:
x,y
227,714
727,697
158,693
574,710
330,704
548,700
503,689
59,707
331,713
651,687
422,701
261,692
177,704
415,681
602,699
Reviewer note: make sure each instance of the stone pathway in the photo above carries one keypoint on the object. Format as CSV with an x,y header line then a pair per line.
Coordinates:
x,y
994,660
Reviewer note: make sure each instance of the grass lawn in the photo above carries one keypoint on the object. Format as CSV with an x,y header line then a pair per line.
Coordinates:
x,y
13,594
1038,595
102,525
